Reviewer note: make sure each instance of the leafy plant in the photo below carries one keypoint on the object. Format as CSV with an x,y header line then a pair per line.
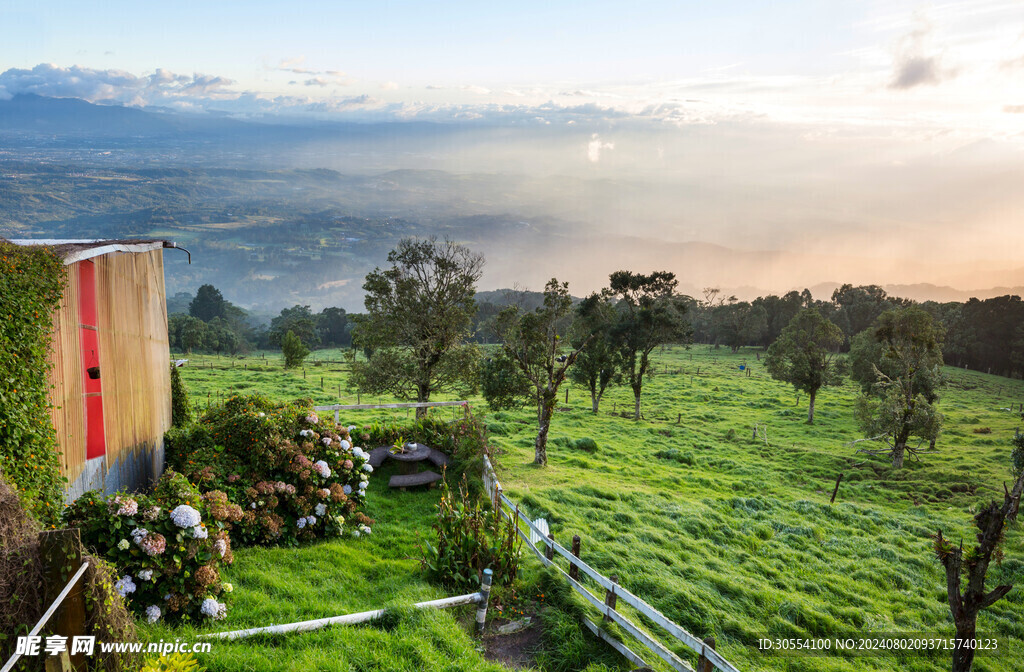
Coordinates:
x,y
1018,454
32,282
175,662
471,537
294,477
168,547
294,350
181,411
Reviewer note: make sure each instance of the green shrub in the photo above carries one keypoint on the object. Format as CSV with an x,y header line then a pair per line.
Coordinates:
x,y
1017,455
294,477
465,439
181,411
175,662
675,455
293,349
168,547
586,444
470,539
31,286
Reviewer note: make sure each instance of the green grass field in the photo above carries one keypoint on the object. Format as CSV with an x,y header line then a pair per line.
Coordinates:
x,y
727,535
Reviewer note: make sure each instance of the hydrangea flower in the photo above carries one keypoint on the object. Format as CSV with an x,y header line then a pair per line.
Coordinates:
x,y
312,419
322,468
123,545
368,468
129,507
152,613
153,544
125,585
146,574
306,432
151,513
185,516
139,533
321,509
221,546
347,464
351,428
214,609
345,445
325,492
311,520
365,529
300,523
199,532
227,587
347,489
326,440
355,533
262,414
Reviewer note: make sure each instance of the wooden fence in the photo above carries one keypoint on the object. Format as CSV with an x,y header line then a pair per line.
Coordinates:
x,y
614,593
337,408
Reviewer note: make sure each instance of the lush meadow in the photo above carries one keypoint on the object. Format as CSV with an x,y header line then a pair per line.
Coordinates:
x,y
727,534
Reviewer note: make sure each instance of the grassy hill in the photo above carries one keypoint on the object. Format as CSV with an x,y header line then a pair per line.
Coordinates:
x,y
726,534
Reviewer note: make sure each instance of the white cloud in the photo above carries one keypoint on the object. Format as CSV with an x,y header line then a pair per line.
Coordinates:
x,y
116,86
595,146
389,86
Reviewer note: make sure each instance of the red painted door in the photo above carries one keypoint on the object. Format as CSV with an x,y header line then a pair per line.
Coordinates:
x,y
95,439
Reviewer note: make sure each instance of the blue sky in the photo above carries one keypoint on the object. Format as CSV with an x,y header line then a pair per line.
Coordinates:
x,y
777,58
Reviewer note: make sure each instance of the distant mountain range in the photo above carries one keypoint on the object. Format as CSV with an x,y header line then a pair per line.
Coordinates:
x,y
270,231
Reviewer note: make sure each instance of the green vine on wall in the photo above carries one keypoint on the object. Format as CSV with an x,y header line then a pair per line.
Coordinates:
x,y
32,282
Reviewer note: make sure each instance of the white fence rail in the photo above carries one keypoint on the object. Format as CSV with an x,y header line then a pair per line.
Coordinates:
x,y
708,654
337,408
49,612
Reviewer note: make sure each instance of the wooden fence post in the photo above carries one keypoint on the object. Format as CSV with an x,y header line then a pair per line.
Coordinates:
x,y
703,664
485,596
836,489
61,553
574,571
609,596
549,552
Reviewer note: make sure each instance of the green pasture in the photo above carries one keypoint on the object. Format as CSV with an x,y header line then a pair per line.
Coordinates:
x,y
727,534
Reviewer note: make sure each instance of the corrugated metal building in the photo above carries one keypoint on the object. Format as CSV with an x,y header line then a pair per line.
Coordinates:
x,y
111,382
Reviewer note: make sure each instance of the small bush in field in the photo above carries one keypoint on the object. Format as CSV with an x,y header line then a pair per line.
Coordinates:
x,y
586,444
470,539
295,477
168,547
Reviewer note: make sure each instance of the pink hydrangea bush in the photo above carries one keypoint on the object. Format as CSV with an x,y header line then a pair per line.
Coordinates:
x,y
295,476
168,546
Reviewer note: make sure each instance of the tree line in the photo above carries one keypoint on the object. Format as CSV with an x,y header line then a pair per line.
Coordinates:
x,y
207,322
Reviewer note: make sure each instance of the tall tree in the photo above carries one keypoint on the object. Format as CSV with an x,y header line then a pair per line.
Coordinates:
x,y
599,364
898,364
805,355
417,322
535,342
299,320
208,304
966,600
650,314
331,324
739,323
